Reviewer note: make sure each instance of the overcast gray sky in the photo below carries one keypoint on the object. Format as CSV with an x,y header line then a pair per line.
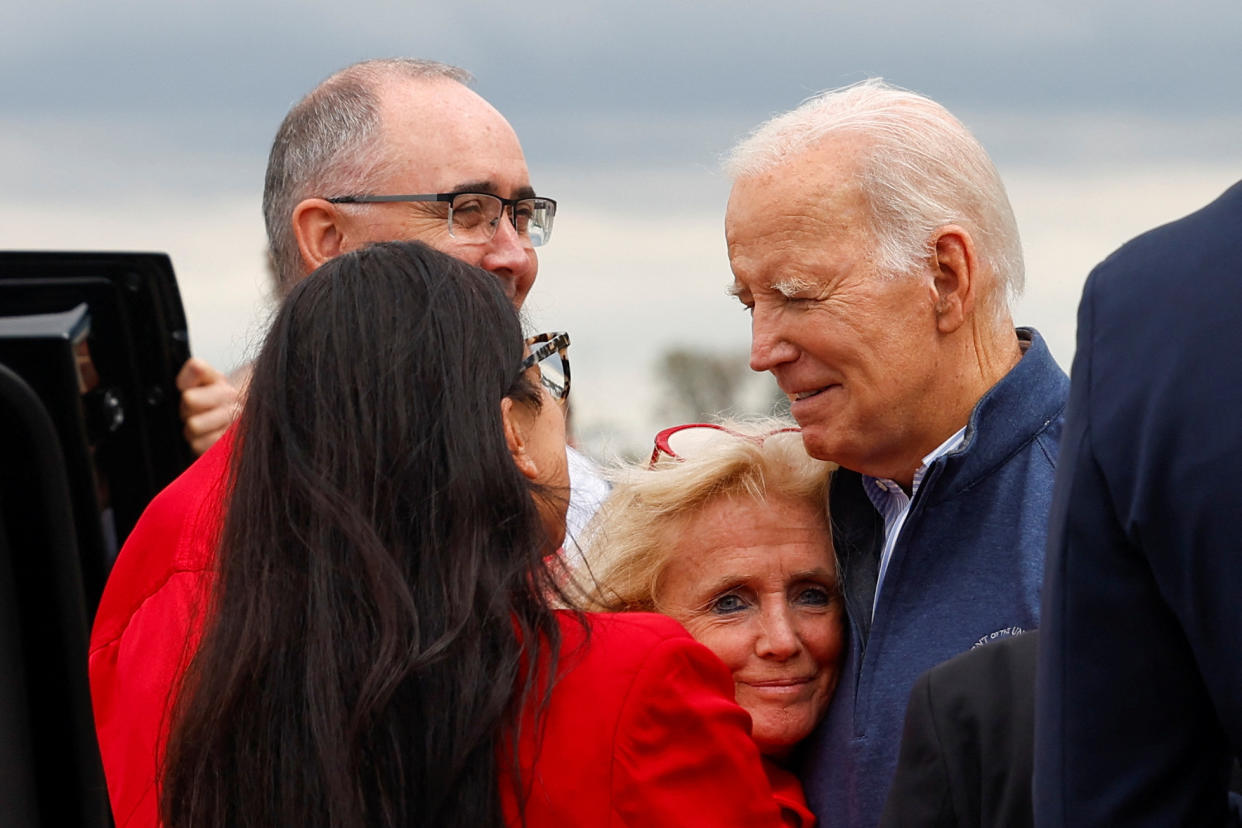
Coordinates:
x,y
146,125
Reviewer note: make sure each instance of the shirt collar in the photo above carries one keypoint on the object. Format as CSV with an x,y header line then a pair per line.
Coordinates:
x,y
882,488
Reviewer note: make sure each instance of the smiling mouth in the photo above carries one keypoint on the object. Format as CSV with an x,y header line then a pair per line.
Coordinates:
x,y
786,682
806,395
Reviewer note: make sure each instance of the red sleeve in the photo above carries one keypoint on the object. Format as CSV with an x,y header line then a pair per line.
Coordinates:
x,y
133,682
684,755
149,620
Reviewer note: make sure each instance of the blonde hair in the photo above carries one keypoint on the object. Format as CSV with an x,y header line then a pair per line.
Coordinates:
x,y
626,547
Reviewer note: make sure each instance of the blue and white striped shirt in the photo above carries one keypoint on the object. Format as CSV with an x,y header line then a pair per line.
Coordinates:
x,y
891,501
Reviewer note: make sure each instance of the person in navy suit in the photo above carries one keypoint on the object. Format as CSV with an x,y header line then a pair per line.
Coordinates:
x,y
1139,688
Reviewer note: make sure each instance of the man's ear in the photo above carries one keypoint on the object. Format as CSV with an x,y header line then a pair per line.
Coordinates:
x,y
957,269
516,421
319,227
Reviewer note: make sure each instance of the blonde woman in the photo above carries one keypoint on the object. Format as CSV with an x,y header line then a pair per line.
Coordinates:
x,y
726,531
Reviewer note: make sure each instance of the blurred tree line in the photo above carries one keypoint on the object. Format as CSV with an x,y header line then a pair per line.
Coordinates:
x,y
701,386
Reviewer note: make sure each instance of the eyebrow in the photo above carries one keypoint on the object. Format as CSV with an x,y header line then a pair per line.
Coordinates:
x,y
786,286
789,285
731,581
488,186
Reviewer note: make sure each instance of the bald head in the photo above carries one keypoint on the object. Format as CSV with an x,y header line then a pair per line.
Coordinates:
x,y
329,137
389,127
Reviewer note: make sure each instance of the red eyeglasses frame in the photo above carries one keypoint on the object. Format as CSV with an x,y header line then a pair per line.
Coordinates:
x,y
662,439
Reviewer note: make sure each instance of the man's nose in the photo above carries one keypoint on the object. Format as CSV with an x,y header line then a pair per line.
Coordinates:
x,y
509,253
768,348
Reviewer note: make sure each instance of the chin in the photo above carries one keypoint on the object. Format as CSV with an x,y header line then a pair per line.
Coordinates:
x,y
778,749
778,745
554,538
818,442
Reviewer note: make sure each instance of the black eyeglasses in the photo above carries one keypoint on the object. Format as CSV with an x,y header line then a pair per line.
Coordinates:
x,y
474,217
550,351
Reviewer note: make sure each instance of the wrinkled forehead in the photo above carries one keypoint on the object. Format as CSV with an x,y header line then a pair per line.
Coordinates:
x,y
828,174
753,529
779,220
439,136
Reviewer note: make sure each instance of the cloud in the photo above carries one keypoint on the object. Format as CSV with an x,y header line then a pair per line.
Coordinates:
x,y
566,60
217,253
145,125
634,270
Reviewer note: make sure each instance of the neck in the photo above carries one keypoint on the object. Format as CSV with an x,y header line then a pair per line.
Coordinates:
x,y
977,356
996,351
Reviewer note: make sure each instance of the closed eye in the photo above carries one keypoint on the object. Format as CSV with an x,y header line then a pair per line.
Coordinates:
x,y
791,287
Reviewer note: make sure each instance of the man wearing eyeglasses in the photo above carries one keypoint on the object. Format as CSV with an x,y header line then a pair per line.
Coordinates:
x,y
871,238
383,150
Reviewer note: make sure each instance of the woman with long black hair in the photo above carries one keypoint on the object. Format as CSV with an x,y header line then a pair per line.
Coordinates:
x,y
381,647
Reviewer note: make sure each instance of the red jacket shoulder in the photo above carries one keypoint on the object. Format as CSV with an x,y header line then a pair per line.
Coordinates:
x,y
176,533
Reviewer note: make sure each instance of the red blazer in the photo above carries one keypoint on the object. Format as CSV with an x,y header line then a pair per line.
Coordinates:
x,y
147,626
641,728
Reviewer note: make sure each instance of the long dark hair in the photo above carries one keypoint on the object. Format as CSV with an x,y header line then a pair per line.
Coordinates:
x,y
381,583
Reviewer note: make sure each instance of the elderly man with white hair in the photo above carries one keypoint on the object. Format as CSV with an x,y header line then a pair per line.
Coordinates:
x,y
871,238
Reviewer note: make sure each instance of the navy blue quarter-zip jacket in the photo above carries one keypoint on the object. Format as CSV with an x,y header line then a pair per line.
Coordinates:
x,y
967,568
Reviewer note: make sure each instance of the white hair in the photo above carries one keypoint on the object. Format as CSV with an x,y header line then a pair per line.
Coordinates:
x,y
327,146
921,169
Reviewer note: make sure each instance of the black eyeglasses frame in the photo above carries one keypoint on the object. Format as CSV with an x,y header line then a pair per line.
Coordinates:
x,y
511,203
